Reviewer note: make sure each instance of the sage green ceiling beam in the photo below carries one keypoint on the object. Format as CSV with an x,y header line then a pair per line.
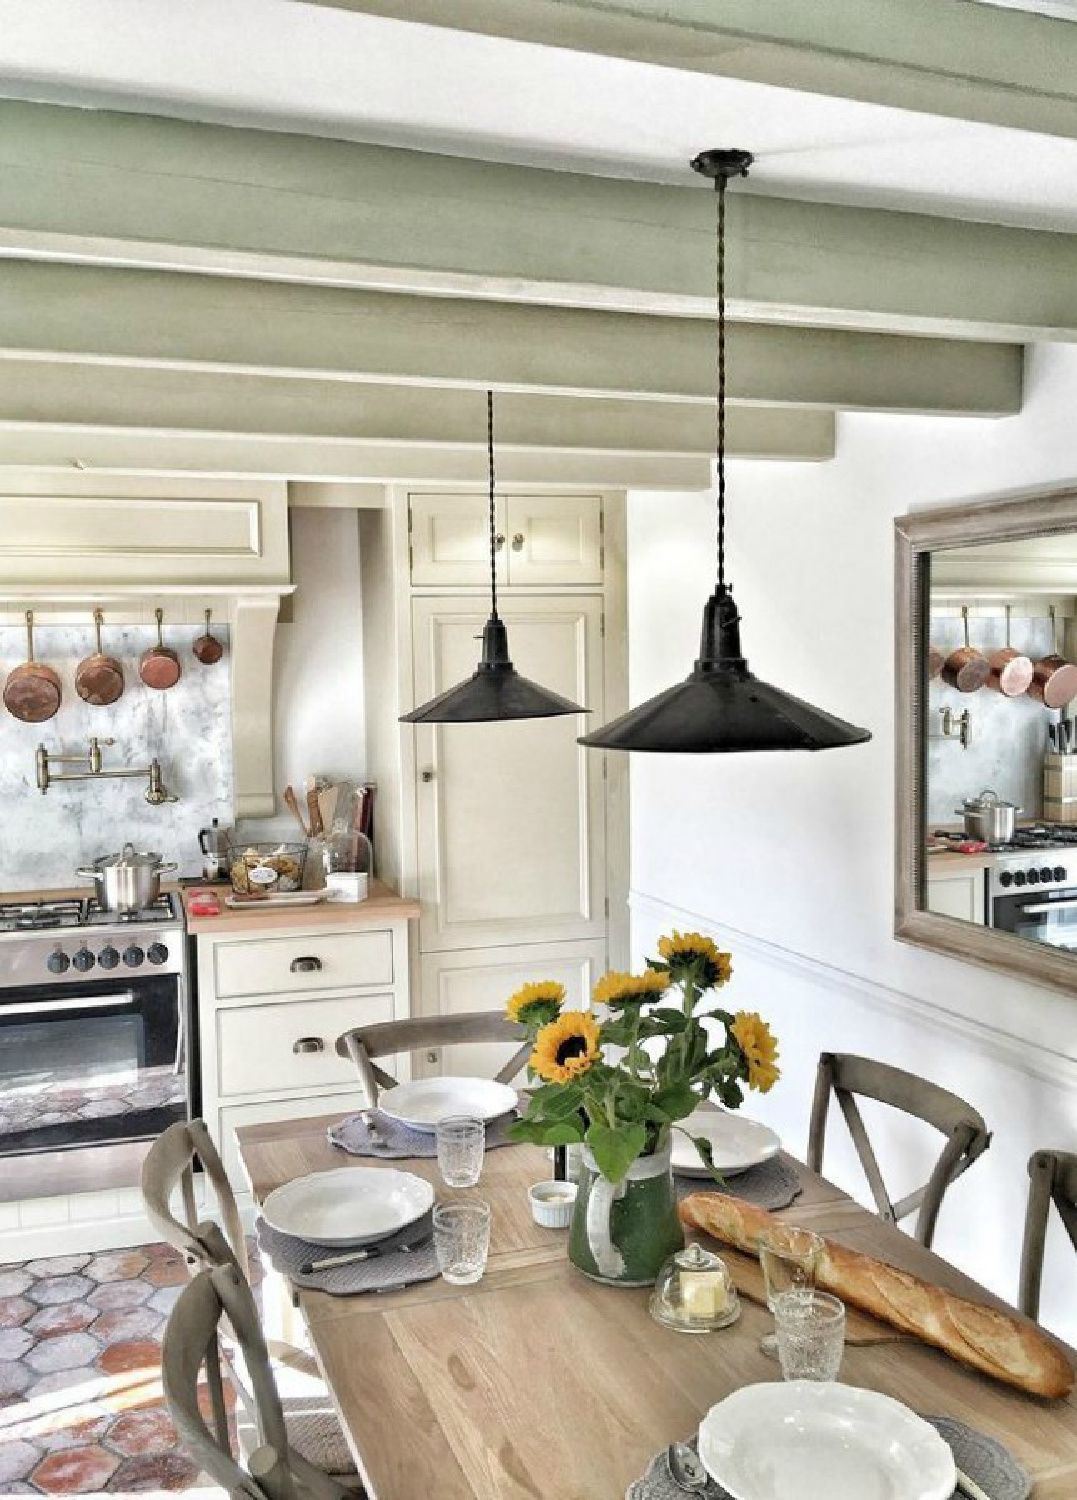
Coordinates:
x,y
128,190
235,455
153,318
945,57
318,414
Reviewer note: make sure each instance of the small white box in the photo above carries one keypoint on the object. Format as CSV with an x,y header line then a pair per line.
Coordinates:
x,y
342,885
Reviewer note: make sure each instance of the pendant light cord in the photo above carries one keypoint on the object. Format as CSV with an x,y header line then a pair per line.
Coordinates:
x,y
720,185
493,532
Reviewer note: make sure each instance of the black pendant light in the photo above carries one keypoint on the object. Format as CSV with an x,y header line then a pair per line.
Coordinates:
x,y
495,690
721,707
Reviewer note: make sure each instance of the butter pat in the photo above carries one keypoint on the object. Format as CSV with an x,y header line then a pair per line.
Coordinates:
x,y
703,1294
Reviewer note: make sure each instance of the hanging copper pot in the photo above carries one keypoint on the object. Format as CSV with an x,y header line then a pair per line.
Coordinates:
x,y
936,660
159,667
99,678
1054,679
966,669
207,648
32,692
1011,673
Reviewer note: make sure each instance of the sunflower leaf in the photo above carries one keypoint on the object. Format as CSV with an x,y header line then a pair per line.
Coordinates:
x,y
676,1100
615,1150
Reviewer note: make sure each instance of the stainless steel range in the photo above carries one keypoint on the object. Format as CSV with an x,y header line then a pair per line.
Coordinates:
x,y
1032,885
94,1037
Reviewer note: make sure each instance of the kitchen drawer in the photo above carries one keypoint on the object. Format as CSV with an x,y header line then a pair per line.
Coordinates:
x,y
233,1117
257,1044
304,962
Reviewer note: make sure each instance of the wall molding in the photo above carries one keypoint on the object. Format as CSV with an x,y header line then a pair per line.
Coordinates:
x,y
1055,1069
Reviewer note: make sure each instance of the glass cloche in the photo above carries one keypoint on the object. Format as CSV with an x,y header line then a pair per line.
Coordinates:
x,y
694,1292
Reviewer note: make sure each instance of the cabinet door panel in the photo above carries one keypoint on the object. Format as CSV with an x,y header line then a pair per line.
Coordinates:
x,y
554,539
450,539
510,820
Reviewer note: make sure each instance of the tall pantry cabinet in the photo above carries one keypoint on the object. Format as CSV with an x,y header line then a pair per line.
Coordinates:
x,y
513,838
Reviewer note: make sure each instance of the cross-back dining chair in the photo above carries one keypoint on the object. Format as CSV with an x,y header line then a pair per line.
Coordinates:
x,y
1052,1179
191,1345
847,1076
365,1043
314,1433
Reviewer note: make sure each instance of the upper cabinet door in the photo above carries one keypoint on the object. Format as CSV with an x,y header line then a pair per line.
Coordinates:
x,y
554,539
539,539
450,539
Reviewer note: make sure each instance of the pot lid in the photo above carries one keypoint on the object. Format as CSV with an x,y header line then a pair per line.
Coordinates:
x,y
129,858
985,800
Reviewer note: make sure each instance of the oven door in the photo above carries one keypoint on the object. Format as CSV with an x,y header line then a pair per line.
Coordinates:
x,y
90,1063
1044,916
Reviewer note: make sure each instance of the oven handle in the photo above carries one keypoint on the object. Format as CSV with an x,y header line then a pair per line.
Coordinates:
x,y
1035,911
94,1002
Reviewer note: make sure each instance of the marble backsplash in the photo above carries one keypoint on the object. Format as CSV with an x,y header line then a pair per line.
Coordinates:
x,y
44,838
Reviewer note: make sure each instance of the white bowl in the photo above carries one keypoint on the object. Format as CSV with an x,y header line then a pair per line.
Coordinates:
x,y
552,1203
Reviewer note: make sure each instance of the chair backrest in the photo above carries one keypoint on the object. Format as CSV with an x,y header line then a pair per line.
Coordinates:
x,y
1052,1179
967,1136
364,1043
190,1346
168,1171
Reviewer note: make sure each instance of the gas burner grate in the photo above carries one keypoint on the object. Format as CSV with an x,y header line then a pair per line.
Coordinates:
x,y
38,916
162,910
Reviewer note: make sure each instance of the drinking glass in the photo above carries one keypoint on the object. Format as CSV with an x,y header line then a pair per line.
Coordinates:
x,y
788,1257
462,1240
461,1143
810,1328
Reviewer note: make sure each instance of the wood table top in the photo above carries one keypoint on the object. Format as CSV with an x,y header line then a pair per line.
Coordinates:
x,y
536,1382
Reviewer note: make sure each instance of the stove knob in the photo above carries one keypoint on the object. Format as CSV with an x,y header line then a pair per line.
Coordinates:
x,y
157,953
1060,872
1046,874
83,960
57,962
133,956
1019,877
108,958
1006,878
1033,877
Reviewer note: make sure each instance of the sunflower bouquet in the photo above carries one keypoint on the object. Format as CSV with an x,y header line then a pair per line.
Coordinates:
x,y
622,1074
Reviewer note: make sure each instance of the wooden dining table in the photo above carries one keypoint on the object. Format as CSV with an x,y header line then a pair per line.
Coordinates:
x,y
536,1383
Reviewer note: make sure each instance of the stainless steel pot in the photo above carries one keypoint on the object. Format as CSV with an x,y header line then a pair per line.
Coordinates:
x,y
128,881
988,818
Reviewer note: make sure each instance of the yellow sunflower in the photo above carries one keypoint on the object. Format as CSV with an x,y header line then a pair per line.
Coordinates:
x,y
537,1003
753,1037
630,989
566,1047
698,956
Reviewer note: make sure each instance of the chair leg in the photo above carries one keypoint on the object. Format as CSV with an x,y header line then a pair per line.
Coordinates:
x,y
1041,1174
819,1107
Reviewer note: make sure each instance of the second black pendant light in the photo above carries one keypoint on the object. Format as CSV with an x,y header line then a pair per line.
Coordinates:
x,y
721,707
495,690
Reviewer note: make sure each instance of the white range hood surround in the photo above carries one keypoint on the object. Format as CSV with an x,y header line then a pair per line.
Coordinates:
x,y
126,545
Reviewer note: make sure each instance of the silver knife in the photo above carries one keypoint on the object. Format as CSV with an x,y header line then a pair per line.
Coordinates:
x,y
368,1252
968,1486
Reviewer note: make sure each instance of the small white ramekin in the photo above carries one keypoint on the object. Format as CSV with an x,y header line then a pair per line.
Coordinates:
x,y
552,1203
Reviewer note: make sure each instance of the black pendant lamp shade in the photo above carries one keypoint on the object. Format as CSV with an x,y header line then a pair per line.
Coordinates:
x,y
495,690
721,708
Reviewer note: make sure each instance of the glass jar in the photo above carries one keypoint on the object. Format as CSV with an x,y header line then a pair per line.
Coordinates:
x,y
694,1292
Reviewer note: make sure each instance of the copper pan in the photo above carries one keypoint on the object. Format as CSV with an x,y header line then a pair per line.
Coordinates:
x,y
966,669
32,692
1011,673
936,660
160,666
99,678
1054,679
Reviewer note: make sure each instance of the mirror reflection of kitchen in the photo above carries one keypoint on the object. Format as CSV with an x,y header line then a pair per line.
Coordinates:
x,y
1001,730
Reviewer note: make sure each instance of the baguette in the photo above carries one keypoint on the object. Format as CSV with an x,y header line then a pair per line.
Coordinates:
x,y
1009,1348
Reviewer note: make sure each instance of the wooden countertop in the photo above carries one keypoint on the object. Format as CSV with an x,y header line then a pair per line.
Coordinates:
x,y
381,906
943,862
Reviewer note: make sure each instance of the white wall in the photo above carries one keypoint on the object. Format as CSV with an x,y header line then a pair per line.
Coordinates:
x,y
788,859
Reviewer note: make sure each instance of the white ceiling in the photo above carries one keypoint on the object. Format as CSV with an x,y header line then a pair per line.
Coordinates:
x,y
283,65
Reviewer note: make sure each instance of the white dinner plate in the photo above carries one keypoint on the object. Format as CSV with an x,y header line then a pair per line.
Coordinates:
x,y
349,1206
823,1441
737,1143
424,1102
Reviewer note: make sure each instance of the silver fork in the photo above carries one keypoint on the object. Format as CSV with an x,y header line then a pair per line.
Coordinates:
x,y
685,1469
376,1137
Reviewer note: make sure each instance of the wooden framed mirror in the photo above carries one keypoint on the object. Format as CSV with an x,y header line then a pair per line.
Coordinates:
x,y
1011,906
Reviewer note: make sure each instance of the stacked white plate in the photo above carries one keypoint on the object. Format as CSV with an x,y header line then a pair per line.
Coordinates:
x,y
349,1206
737,1143
426,1101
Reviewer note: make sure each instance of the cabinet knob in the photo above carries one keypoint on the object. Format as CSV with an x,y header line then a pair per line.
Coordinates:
x,y
499,541
518,542
308,1044
305,965
431,1057
426,776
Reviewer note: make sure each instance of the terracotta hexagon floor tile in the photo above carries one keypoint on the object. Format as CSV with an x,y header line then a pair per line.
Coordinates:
x,y
82,1471
167,1273
14,1311
68,1352
14,1378
124,1324
138,1434
156,1471
120,1359
13,1282
14,1343
52,1290
71,1427
111,1294
165,1298
82,1382
16,1460
56,1265
117,1265
68,1317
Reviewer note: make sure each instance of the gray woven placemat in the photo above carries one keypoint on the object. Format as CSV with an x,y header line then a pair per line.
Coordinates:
x,y
398,1140
772,1184
992,1466
387,1272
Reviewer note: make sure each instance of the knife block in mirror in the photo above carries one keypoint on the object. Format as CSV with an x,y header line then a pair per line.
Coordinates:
x,y
1059,788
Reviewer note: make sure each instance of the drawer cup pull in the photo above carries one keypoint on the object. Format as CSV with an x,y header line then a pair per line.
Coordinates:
x,y
305,965
308,1044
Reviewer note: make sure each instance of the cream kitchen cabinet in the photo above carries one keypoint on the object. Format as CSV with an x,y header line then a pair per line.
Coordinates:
x,y
956,892
276,989
539,539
